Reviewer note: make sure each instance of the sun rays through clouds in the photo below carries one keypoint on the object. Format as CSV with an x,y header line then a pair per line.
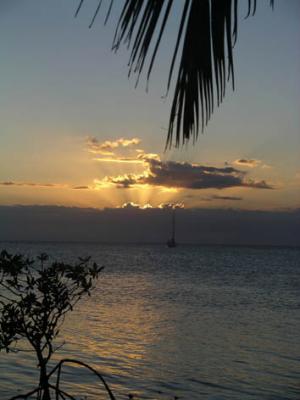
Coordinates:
x,y
144,177
124,171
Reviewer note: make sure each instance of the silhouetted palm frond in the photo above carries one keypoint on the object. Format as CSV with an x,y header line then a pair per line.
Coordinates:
x,y
207,31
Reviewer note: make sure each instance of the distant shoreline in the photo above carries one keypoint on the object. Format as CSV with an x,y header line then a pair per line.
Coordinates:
x,y
185,244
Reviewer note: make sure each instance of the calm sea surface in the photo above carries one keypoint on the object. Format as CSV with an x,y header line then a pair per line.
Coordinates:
x,y
194,322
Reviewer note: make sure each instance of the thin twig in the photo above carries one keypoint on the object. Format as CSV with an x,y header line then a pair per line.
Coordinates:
x,y
61,392
26,395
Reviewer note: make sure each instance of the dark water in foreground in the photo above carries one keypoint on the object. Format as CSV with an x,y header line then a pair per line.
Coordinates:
x,y
196,322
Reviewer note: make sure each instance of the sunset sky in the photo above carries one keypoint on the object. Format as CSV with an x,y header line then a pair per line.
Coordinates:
x,y
76,132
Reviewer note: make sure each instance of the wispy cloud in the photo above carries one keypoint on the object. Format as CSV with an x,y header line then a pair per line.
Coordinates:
x,y
108,147
38,185
119,151
244,162
120,160
32,184
251,163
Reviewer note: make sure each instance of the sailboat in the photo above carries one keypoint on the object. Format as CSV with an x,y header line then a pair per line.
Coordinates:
x,y
171,242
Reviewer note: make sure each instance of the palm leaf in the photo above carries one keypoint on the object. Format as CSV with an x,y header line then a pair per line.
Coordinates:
x,y
207,32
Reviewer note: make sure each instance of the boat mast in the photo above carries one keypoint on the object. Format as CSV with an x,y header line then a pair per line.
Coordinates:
x,y
173,225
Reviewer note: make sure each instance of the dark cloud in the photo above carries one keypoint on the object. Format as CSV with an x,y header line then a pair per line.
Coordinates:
x,y
7,183
188,176
231,198
125,181
80,187
185,175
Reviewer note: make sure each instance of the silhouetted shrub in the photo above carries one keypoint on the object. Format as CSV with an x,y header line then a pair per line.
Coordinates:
x,y
33,302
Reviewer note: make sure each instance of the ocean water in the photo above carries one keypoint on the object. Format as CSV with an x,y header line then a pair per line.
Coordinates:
x,y
196,322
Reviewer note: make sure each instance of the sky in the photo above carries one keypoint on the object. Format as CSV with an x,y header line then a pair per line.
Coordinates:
x,y
75,131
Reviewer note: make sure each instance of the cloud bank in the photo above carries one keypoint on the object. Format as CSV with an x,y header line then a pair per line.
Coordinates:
x,y
135,225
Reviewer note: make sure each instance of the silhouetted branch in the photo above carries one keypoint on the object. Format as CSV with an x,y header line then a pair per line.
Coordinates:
x,y
61,393
73,361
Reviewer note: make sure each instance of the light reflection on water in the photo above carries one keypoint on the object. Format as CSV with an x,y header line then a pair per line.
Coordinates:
x,y
196,322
